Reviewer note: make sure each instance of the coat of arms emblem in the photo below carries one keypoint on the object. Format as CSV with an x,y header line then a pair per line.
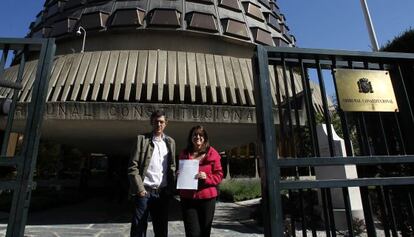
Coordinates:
x,y
364,86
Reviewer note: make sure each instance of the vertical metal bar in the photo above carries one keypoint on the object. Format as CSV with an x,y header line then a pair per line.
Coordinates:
x,y
314,234
410,206
5,52
400,137
391,212
293,88
226,163
362,139
292,220
397,123
384,136
326,217
342,114
287,102
369,219
331,214
406,100
348,211
384,211
257,165
365,147
364,131
403,213
304,234
385,143
380,119
312,220
279,106
364,127
330,138
311,123
21,196
292,216
360,136
309,108
348,147
3,59
10,117
405,93
350,119
325,108
266,133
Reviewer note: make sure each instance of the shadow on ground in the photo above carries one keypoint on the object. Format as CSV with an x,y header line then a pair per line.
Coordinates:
x,y
229,216
233,227
91,214
90,211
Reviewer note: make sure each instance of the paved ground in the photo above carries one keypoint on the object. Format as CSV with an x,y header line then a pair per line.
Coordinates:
x,y
99,219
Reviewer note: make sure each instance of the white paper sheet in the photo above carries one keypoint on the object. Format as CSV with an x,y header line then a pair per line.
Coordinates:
x,y
188,169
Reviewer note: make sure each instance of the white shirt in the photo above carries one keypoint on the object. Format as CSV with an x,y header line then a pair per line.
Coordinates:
x,y
156,175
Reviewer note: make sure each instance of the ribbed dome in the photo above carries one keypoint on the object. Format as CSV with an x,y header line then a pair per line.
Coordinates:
x,y
251,21
191,59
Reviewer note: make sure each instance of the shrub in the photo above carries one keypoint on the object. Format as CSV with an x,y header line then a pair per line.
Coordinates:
x,y
235,190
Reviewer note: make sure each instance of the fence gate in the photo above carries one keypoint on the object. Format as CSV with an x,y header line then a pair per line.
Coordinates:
x,y
24,161
291,83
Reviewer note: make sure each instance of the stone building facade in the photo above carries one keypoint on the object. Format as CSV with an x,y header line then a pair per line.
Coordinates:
x,y
189,58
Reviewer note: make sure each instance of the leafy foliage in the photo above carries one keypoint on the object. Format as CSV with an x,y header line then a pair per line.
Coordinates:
x,y
240,189
401,43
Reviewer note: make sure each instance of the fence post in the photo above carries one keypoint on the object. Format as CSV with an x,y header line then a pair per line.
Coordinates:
x,y
22,193
270,173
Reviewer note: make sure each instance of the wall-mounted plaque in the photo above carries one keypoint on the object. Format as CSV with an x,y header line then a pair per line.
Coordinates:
x,y
365,90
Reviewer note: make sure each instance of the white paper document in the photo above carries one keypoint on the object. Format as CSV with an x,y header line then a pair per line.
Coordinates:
x,y
188,169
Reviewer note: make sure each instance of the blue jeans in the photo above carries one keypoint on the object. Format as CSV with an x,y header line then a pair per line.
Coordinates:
x,y
153,204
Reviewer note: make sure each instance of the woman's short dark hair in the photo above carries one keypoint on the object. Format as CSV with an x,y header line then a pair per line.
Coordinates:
x,y
202,132
157,114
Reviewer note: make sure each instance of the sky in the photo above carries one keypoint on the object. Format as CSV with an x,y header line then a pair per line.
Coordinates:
x,y
324,24
340,24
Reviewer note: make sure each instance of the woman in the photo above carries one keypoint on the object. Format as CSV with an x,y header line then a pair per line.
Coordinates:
x,y
198,205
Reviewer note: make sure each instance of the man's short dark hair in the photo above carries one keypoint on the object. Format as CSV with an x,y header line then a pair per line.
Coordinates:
x,y
157,114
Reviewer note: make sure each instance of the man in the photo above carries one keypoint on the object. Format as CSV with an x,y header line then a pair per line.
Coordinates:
x,y
151,172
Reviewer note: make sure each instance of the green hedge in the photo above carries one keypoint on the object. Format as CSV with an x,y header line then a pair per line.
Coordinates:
x,y
235,190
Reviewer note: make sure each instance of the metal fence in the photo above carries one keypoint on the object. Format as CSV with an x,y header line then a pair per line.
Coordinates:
x,y
24,161
379,144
